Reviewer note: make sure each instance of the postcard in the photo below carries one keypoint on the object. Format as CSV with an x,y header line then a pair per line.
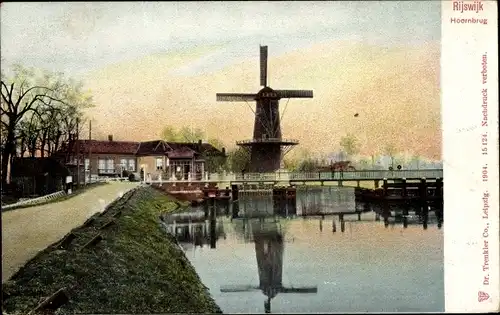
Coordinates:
x,y
249,157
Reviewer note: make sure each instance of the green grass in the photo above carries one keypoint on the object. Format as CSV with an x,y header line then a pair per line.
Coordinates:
x,y
62,198
137,268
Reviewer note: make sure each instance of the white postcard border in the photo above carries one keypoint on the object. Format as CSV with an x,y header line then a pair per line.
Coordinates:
x,y
469,82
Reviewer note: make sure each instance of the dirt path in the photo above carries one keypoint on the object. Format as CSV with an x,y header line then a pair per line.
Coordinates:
x,y
27,231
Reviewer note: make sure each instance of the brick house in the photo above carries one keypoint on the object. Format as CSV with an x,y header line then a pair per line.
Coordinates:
x,y
155,158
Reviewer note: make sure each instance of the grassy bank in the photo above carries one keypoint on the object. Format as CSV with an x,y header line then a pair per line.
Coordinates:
x,y
135,268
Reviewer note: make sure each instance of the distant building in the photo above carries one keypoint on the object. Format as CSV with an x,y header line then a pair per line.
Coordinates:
x,y
36,176
151,158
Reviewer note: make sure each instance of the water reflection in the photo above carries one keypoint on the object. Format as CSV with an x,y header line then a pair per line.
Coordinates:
x,y
269,248
195,228
386,262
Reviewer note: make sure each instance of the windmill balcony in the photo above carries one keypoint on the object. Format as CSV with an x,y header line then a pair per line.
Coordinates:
x,y
267,140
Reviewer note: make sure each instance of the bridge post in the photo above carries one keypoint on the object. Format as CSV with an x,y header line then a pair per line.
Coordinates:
x,y
340,184
213,237
334,226
423,202
439,206
404,193
358,183
385,186
342,223
234,192
376,183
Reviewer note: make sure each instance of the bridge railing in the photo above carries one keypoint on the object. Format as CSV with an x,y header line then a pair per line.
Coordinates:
x,y
337,175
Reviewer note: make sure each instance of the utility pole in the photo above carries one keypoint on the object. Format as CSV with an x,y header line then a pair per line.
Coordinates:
x,y
78,153
90,151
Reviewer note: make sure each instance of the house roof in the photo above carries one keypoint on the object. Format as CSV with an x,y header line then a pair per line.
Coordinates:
x,y
182,152
102,147
36,166
155,147
204,148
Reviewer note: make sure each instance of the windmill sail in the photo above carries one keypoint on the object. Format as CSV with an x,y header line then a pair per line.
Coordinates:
x,y
300,290
235,97
263,65
239,288
294,93
249,288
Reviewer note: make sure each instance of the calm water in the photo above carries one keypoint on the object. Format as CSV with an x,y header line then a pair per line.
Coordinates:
x,y
306,267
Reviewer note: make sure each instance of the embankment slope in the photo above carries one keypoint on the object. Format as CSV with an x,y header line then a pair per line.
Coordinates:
x,y
135,268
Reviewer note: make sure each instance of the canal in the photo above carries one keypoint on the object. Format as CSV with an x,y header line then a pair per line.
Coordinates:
x,y
303,258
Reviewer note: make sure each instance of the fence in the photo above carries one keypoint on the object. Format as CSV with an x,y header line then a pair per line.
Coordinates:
x,y
42,199
315,176
34,201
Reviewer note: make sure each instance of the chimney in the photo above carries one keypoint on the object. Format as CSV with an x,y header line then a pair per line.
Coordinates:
x,y
110,137
199,145
224,151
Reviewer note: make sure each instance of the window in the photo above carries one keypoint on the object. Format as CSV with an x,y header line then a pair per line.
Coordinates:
x,y
131,165
123,164
159,163
87,164
102,165
110,165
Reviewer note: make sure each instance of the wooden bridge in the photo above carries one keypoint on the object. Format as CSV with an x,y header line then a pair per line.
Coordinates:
x,y
303,177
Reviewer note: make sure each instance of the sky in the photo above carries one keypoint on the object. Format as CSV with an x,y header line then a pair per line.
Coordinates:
x,y
78,37
154,63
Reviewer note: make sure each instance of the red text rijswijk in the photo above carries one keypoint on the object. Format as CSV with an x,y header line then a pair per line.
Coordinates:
x,y
466,6
484,150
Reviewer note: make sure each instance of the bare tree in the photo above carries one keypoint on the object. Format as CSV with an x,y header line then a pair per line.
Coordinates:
x,y
34,103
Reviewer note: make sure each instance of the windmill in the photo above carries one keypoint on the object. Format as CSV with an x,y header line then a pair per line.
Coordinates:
x,y
267,145
269,248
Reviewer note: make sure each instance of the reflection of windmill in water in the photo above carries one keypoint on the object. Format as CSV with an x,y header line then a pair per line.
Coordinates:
x,y
269,249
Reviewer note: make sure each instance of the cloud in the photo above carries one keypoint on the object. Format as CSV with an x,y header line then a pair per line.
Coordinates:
x,y
82,36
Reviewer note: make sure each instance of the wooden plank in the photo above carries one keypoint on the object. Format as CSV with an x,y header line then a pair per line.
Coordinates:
x,y
66,241
90,221
96,239
108,224
53,302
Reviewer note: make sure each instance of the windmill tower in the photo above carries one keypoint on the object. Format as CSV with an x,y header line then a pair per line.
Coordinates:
x,y
269,249
267,145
